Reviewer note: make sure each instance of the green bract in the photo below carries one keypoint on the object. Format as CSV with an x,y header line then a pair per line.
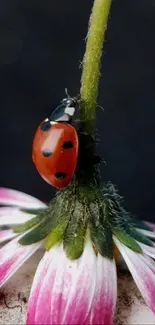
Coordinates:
x,y
81,212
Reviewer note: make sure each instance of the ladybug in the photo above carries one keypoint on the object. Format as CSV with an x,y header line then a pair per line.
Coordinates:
x,y
55,145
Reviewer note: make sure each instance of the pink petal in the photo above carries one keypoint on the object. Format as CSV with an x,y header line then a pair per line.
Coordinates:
x,y
68,290
142,269
58,287
42,284
76,301
150,224
147,233
6,210
148,250
104,302
6,235
13,197
12,256
12,216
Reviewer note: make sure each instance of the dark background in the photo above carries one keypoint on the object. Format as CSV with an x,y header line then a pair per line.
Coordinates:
x,y
41,46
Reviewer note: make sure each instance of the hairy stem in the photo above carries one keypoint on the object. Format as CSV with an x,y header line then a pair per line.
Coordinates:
x,y
91,62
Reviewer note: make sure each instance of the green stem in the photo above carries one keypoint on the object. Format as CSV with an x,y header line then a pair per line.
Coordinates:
x,y
91,62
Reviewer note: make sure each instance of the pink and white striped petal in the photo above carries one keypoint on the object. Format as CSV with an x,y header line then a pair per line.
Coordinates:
x,y
6,235
12,216
150,234
7,210
12,256
150,224
148,250
105,297
81,274
64,287
65,291
20,199
142,269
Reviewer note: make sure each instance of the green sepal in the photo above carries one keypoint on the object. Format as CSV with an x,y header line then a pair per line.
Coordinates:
x,y
34,211
101,236
140,237
41,217
36,234
56,235
127,240
88,192
26,225
49,220
100,230
74,236
40,231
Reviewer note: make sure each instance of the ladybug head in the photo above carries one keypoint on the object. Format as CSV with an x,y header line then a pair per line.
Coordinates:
x,y
65,111
70,104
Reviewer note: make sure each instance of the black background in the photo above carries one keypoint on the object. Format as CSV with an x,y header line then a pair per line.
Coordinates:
x,y
41,46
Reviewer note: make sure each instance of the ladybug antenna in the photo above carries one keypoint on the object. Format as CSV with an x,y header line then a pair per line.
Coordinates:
x,y
76,98
66,92
100,107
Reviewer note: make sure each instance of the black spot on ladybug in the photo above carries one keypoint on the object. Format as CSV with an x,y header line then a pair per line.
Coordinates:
x,y
45,126
67,145
47,153
60,175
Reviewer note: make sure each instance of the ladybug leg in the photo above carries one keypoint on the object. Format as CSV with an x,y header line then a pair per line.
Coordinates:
x,y
82,132
78,124
87,138
97,160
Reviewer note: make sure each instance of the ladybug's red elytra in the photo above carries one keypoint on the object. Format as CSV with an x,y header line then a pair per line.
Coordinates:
x,y
55,145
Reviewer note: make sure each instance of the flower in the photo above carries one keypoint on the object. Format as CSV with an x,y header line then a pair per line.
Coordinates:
x,y
75,282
